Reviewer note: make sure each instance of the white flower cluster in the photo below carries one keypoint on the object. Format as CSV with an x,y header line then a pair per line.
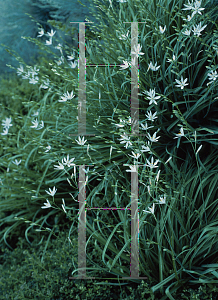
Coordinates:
x,y
195,7
30,74
7,124
15,24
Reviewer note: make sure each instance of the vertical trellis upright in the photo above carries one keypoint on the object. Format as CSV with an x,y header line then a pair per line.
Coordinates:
x,y
134,264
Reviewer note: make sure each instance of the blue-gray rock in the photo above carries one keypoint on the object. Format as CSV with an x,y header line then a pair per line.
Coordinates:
x,y
14,23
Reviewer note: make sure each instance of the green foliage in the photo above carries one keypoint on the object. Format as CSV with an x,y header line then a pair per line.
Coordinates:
x,y
19,100
178,242
28,272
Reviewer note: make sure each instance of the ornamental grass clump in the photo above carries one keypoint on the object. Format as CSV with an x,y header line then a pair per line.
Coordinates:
x,y
29,133
189,89
178,179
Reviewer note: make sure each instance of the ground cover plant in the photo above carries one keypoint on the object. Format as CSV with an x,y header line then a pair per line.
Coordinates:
x,y
178,182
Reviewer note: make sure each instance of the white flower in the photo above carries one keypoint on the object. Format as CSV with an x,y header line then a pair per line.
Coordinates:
x,y
213,76
7,123
71,57
145,127
152,164
51,34
188,19
168,160
198,29
157,177
33,80
195,135
125,139
36,113
47,205
52,193
124,36
63,208
150,116
20,70
41,32
45,84
60,61
34,71
151,210
86,171
186,32
153,138
122,123
162,29
41,126
48,148
146,148
182,83
73,64
110,4
126,65
198,3
162,200
135,155
152,97
174,58
67,161
188,7
180,134
60,167
198,149
16,162
49,42
63,99
133,62
137,50
133,169
59,47
67,96
27,75
81,142
5,132
196,8
149,187
36,123
129,121
152,67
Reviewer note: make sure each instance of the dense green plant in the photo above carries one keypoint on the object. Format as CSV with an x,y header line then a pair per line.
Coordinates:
x,y
41,271
23,102
178,243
